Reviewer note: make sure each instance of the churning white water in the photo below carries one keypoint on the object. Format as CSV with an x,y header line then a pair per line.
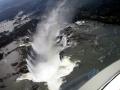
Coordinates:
x,y
47,66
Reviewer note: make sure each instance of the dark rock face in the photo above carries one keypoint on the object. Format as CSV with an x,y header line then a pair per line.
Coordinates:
x,y
14,64
18,32
97,47
2,86
104,10
77,35
23,69
1,56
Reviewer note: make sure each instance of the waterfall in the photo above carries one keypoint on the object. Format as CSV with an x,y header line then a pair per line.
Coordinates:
x,y
46,65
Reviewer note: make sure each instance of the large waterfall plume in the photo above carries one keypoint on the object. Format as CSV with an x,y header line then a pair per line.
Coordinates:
x,y
46,65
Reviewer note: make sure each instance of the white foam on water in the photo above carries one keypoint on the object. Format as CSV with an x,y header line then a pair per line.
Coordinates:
x,y
48,67
6,26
